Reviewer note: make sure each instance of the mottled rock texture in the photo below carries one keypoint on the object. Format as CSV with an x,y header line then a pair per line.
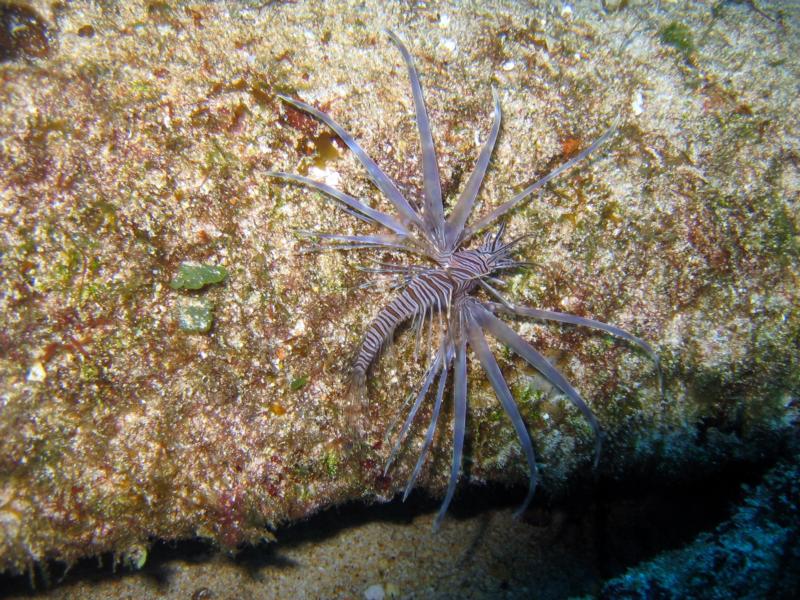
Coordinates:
x,y
134,137
754,554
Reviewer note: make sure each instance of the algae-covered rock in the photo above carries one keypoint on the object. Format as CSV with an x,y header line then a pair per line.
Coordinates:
x,y
196,277
195,315
754,554
140,139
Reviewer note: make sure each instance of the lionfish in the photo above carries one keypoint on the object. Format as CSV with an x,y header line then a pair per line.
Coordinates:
x,y
444,288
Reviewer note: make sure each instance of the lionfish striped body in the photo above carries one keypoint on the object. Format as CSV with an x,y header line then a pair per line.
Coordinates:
x,y
427,293
445,290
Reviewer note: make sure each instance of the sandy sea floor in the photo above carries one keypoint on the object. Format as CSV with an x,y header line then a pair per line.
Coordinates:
x,y
481,551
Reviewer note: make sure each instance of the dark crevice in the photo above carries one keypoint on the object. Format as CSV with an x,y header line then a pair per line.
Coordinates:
x,y
612,525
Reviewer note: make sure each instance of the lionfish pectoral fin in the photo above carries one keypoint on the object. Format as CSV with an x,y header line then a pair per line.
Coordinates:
x,y
492,370
505,335
423,392
459,425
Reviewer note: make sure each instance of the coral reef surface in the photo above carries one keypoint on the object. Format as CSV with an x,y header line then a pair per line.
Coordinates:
x,y
172,366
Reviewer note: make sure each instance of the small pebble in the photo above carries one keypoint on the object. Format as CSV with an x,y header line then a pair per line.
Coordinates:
x,y
194,277
36,372
87,31
195,315
637,104
374,592
449,45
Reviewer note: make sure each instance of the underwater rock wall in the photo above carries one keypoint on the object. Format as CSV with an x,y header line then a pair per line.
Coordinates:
x,y
171,365
754,554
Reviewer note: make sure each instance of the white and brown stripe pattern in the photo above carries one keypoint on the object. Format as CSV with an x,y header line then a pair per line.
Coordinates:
x,y
429,291
422,229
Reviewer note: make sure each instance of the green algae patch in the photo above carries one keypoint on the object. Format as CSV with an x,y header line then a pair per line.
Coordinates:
x,y
678,36
299,383
195,315
135,558
194,277
331,463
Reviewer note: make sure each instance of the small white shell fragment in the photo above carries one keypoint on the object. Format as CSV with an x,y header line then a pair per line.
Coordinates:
x,y
509,65
374,592
448,44
637,103
566,12
36,372
331,178
298,329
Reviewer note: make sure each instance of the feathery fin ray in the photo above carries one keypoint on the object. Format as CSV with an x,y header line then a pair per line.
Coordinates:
x,y
446,288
